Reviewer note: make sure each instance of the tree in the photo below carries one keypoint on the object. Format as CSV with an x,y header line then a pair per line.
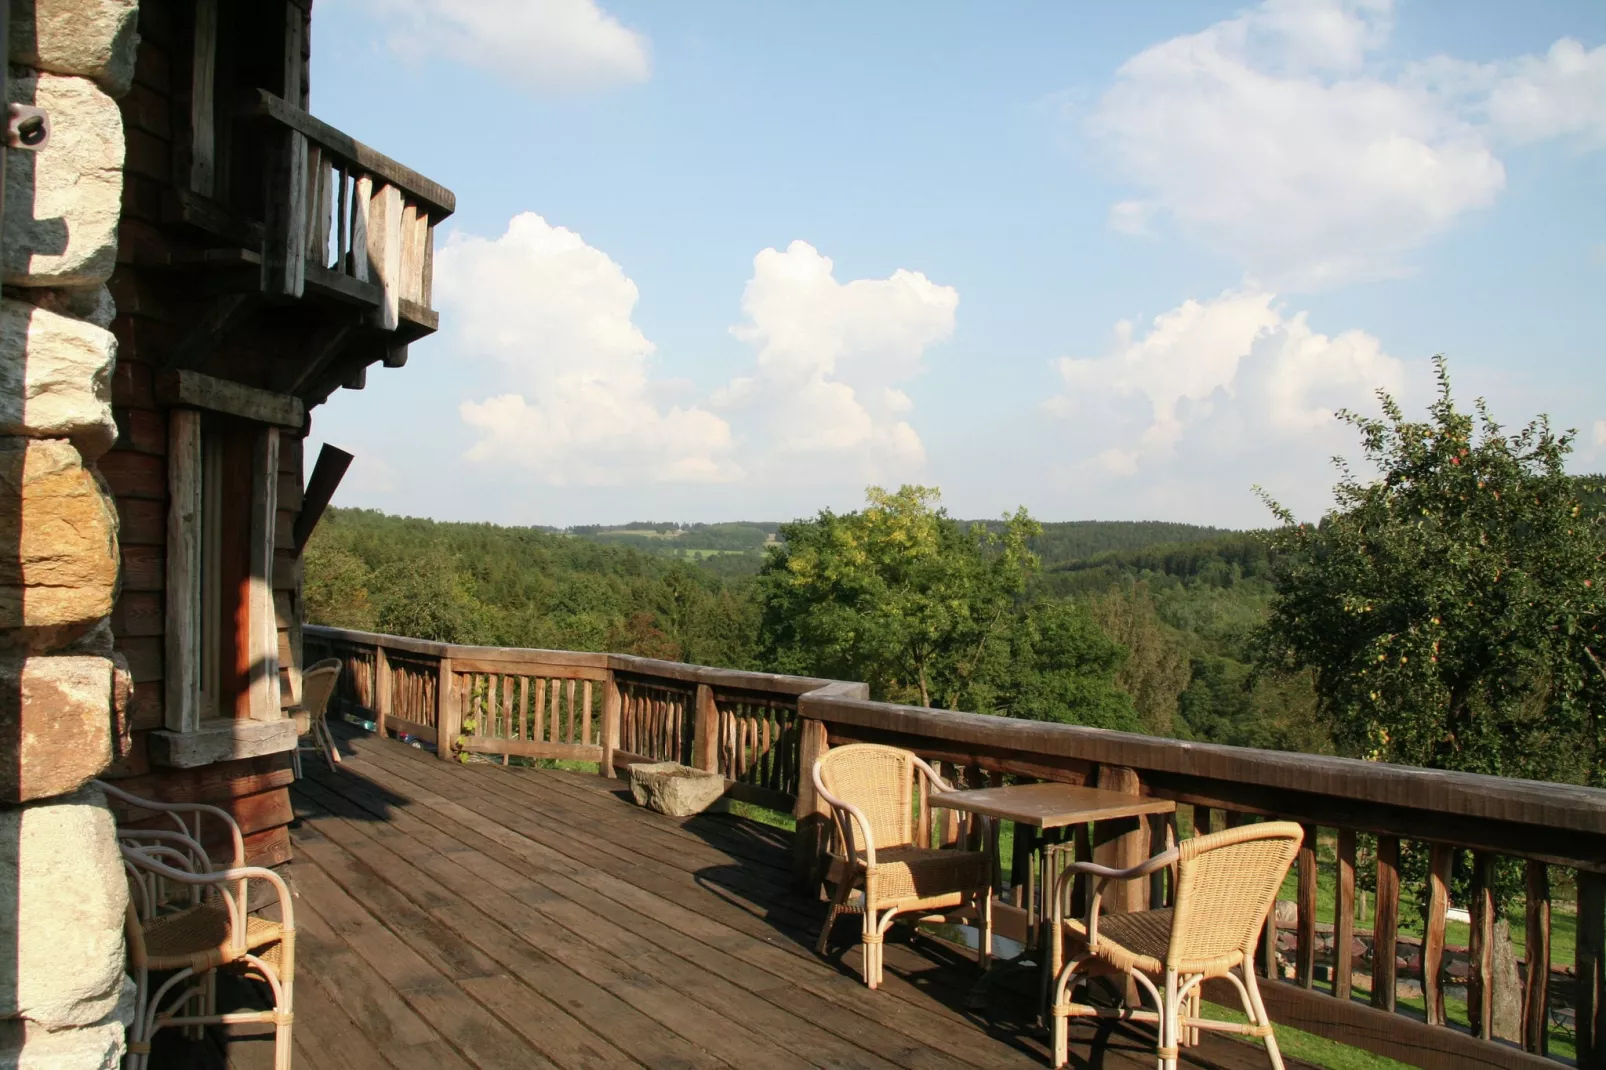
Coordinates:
x,y
1156,668
897,595
1451,609
927,610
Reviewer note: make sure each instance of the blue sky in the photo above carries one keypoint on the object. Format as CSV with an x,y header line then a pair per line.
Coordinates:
x,y
730,260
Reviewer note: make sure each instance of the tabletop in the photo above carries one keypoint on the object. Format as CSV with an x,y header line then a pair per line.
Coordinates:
x,y
1051,805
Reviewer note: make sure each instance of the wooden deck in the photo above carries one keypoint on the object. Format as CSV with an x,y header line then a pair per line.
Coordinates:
x,y
503,917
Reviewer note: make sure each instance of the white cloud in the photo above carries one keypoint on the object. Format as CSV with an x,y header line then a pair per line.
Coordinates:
x,y
553,315
822,402
547,44
1277,137
1215,395
1600,432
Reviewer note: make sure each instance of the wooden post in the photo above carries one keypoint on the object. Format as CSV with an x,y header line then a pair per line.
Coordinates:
x,y
705,741
284,224
1122,844
203,81
263,625
1480,985
1536,986
384,227
1591,963
182,708
381,689
813,817
1305,930
1386,920
448,714
1344,916
611,702
1441,858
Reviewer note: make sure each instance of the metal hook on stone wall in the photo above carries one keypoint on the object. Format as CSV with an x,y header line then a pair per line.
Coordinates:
x,y
27,128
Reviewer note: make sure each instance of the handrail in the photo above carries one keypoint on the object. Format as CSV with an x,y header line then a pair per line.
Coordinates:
x,y
764,731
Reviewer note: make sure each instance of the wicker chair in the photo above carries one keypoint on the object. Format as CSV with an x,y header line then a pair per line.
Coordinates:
x,y
1225,884
188,918
871,791
317,685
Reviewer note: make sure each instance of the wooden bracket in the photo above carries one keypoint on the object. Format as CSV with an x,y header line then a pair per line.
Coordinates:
x,y
193,390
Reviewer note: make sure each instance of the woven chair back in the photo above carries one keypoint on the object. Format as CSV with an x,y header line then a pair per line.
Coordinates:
x,y
1226,882
879,781
317,684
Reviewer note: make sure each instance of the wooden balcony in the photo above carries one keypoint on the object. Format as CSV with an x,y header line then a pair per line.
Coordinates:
x,y
456,892
456,916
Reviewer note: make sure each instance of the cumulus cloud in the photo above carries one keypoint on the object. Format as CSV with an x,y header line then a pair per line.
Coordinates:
x,y
546,44
1214,395
553,315
830,355
1276,137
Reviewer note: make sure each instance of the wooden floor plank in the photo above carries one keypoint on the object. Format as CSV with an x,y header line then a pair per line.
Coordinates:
x,y
539,840
537,918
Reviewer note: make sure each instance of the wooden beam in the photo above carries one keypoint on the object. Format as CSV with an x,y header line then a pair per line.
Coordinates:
x,y
522,748
284,216
1480,985
326,476
323,349
1344,916
193,390
1305,930
1385,924
263,683
1536,956
203,101
705,745
1441,859
385,253
811,812
448,714
1591,972
439,200
182,627
611,705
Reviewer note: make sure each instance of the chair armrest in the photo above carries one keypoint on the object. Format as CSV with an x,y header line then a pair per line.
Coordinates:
x,y
241,874
1105,875
175,808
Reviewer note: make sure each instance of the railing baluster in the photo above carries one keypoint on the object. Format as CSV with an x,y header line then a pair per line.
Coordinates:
x,y
1589,967
1440,860
1536,987
1305,932
1385,922
585,715
1344,916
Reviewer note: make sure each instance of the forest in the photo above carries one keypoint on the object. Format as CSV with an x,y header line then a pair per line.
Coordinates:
x,y
1180,600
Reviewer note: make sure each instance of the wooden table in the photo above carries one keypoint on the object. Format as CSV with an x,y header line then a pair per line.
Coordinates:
x,y
1047,806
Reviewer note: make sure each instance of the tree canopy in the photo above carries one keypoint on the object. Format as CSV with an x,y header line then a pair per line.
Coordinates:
x,y
1450,609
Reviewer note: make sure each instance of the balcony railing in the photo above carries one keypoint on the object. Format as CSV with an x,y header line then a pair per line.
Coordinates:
x,y
764,731
344,220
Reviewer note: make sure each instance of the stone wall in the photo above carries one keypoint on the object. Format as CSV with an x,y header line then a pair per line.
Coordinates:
x,y
64,1000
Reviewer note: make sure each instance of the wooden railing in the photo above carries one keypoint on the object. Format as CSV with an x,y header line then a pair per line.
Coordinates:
x,y
349,221
764,731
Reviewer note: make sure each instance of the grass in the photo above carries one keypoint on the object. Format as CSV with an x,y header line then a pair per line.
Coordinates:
x,y
1319,1051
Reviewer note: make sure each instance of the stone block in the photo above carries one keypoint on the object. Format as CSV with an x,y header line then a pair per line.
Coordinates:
x,y
56,378
62,204
26,1046
92,38
675,789
60,712
58,531
62,899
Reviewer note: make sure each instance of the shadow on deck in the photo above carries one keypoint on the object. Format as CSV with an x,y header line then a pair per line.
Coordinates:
x,y
456,916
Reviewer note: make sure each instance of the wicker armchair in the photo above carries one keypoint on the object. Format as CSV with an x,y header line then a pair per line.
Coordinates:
x,y
317,685
871,791
1225,884
190,919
